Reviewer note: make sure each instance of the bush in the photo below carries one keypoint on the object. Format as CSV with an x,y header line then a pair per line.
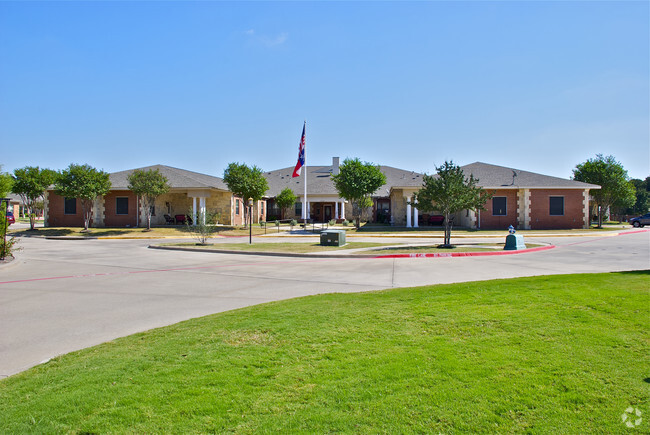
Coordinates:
x,y
202,231
262,224
346,223
293,223
332,222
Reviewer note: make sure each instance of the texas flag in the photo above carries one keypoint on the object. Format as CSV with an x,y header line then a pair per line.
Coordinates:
x,y
301,154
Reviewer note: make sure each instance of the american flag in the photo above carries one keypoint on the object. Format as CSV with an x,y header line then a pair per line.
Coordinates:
x,y
301,154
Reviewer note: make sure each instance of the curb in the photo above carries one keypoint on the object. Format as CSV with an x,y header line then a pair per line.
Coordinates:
x,y
316,255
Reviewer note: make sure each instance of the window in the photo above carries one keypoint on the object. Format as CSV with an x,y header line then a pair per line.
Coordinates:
x,y
298,209
236,206
556,206
261,207
121,205
70,206
499,206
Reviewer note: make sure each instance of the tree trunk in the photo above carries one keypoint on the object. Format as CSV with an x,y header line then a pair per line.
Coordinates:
x,y
600,216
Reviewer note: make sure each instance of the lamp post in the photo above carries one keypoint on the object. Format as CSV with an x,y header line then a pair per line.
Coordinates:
x,y
250,221
4,202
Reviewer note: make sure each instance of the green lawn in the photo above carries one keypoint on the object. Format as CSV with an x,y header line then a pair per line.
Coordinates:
x,y
156,232
556,354
278,247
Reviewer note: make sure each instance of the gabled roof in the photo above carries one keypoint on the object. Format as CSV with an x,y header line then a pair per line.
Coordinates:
x,y
319,180
501,177
177,178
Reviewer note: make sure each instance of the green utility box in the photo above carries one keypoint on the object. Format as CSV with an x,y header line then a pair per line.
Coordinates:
x,y
332,238
514,242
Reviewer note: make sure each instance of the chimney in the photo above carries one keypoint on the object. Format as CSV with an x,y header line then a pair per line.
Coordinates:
x,y
335,165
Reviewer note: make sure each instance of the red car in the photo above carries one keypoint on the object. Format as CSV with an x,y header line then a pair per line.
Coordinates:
x,y
10,218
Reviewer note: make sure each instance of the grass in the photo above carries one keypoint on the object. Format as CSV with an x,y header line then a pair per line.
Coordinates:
x,y
277,247
156,232
557,354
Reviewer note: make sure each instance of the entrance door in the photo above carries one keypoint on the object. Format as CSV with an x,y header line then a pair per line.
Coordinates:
x,y
327,213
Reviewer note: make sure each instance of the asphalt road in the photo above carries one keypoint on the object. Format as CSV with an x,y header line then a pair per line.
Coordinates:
x,y
65,295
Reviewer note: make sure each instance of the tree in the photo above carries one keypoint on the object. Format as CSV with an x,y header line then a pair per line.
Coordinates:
x,y
286,199
356,182
30,183
84,183
448,192
148,185
642,201
5,183
245,182
615,190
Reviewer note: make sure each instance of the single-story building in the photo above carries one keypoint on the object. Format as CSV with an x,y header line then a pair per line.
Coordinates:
x,y
191,193
526,200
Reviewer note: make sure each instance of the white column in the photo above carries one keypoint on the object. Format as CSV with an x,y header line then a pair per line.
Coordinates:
x,y
342,209
336,210
415,216
202,209
308,210
408,214
194,210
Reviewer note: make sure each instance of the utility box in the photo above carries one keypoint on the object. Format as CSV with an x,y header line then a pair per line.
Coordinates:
x,y
514,242
332,238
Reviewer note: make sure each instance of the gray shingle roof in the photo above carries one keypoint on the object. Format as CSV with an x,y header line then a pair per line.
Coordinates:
x,y
177,178
319,180
494,176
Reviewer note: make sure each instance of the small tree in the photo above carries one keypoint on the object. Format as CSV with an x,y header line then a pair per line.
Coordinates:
x,y
84,183
356,182
245,182
30,183
5,187
148,185
448,192
615,190
286,200
204,228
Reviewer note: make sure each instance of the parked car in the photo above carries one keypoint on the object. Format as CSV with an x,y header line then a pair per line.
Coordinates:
x,y
10,218
640,221
436,219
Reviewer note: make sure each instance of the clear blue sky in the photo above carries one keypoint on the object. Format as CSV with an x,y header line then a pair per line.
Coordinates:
x,y
539,86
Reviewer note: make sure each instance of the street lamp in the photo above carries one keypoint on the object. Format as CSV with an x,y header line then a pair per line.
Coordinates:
x,y
250,221
4,235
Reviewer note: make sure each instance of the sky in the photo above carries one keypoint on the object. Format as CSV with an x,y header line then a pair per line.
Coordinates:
x,y
536,86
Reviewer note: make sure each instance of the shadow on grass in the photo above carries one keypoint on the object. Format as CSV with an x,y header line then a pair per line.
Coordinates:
x,y
636,272
44,232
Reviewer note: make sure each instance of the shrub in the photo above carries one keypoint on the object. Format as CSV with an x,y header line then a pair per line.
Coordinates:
x,y
332,222
346,223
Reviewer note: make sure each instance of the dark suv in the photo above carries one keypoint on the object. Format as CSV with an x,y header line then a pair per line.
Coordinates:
x,y
640,221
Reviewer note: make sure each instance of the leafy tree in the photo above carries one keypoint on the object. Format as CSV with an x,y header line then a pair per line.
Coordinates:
x,y
245,182
5,187
356,182
30,183
148,185
642,202
84,183
615,190
5,183
448,192
286,199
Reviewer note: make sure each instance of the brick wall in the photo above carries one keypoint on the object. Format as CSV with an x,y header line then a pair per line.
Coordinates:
x,y
491,222
111,218
540,217
56,216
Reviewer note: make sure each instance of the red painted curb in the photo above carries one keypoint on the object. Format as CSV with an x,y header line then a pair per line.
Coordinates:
x,y
466,254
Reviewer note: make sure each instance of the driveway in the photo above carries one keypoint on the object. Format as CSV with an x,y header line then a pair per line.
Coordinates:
x,y
65,295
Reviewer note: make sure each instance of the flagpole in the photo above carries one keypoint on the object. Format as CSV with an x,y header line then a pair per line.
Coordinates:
x,y
305,205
